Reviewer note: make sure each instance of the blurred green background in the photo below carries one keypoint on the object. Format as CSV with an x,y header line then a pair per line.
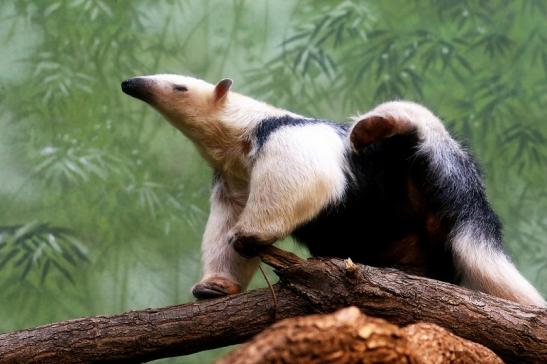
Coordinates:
x,y
102,203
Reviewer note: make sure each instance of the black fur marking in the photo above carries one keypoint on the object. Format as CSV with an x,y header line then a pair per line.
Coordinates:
x,y
460,197
216,178
267,126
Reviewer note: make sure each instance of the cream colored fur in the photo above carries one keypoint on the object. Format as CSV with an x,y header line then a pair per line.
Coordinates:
x,y
298,172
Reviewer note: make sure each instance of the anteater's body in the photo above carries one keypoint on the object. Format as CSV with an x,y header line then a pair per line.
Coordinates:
x,y
393,189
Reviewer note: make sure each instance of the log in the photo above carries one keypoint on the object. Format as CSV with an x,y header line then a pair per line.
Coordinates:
x,y
515,332
348,336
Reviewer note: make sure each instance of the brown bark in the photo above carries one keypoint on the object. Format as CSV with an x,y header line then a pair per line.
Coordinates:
x,y
348,336
140,336
516,333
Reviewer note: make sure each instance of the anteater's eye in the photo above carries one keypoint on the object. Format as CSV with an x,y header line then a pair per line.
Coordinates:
x,y
180,88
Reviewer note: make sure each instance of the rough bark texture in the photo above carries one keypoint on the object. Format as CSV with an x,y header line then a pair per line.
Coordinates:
x,y
140,336
516,333
348,336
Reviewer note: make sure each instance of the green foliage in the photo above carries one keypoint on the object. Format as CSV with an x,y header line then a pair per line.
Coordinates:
x,y
40,247
73,165
77,152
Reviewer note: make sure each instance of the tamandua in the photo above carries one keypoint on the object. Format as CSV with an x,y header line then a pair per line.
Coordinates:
x,y
393,189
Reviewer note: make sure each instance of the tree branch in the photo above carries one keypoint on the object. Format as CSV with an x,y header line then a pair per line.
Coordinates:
x,y
516,333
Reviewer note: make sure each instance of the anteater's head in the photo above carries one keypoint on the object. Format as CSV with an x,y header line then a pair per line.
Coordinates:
x,y
213,117
188,103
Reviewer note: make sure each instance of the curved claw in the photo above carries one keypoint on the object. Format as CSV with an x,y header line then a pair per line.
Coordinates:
x,y
249,246
215,287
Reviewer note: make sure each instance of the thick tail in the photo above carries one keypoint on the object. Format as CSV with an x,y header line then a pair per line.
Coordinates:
x,y
476,236
485,267
454,187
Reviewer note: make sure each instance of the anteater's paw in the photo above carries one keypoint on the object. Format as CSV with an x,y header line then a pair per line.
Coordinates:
x,y
214,287
249,245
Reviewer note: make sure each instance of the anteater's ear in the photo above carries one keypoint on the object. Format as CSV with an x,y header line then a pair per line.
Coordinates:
x,y
222,88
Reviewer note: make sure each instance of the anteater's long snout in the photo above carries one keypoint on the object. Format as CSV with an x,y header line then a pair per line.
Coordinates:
x,y
138,87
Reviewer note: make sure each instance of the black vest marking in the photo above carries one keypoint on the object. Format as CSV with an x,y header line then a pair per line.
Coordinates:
x,y
267,126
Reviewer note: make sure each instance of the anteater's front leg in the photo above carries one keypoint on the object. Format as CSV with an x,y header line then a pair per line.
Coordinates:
x,y
224,270
296,174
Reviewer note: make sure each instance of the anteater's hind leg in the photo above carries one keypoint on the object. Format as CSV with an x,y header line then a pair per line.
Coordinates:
x,y
453,188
